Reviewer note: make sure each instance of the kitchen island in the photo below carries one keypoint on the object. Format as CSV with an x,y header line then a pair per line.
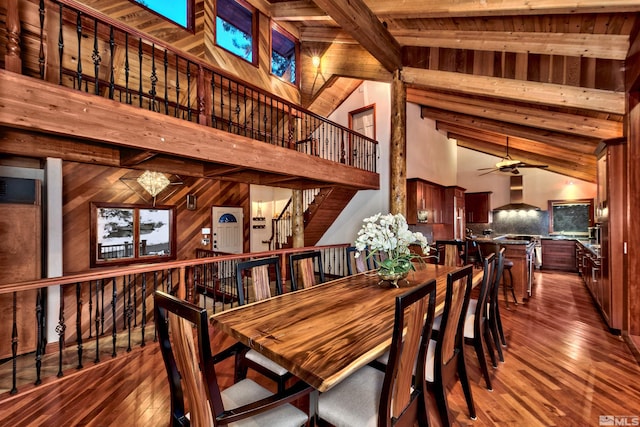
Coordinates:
x,y
520,250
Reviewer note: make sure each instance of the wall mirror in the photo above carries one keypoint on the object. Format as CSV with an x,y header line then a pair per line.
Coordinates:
x,y
126,234
571,217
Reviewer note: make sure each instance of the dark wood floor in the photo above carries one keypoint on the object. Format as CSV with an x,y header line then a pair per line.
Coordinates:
x,y
562,368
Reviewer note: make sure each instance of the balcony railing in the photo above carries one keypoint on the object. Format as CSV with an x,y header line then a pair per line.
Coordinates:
x,y
90,52
105,314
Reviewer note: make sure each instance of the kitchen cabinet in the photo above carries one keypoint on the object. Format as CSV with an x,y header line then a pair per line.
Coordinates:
x,y
558,254
427,197
478,207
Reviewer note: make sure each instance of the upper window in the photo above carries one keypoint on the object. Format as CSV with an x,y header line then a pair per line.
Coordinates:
x,y
236,25
177,11
284,54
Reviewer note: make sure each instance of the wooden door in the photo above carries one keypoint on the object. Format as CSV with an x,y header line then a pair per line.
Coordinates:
x,y
20,260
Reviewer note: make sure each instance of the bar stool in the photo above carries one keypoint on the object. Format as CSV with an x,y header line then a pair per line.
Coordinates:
x,y
508,264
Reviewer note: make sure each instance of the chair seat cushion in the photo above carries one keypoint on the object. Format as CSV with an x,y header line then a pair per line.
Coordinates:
x,y
469,318
247,391
354,401
261,360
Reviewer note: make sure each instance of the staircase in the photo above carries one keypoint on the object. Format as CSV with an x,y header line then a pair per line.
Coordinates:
x,y
322,210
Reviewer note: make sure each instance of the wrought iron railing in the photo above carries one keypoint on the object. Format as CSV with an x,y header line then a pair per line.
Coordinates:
x,y
105,314
97,54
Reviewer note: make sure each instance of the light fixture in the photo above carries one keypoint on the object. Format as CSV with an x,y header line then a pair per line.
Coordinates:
x,y
315,60
153,182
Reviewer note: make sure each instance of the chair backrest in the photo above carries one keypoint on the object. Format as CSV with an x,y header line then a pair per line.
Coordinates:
x,y
402,392
449,252
261,279
497,276
488,266
359,263
183,358
302,267
472,252
449,345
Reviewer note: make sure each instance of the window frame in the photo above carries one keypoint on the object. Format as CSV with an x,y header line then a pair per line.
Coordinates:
x,y
95,261
296,43
191,18
552,203
255,36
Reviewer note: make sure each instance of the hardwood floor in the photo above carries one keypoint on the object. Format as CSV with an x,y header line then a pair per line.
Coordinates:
x,y
562,368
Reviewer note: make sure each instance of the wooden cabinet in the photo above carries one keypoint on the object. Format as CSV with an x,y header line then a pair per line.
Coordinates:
x,y
427,197
558,254
478,207
454,212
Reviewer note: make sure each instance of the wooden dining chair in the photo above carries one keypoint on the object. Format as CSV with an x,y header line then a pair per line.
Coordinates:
x,y
476,326
449,252
255,275
356,264
303,268
493,312
184,343
445,356
395,397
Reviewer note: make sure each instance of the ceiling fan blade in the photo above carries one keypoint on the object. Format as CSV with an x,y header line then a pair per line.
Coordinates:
x,y
487,173
485,169
527,165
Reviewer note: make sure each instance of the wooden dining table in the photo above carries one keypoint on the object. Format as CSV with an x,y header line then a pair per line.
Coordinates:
x,y
324,333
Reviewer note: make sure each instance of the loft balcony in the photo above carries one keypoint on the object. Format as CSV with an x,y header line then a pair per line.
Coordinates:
x,y
93,90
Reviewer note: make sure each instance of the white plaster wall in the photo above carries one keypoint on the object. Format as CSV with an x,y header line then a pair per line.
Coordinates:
x,y
271,201
539,185
430,154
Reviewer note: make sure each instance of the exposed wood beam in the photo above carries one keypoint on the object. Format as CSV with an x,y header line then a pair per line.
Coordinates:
x,y
554,139
440,9
218,170
517,90
30,104
325,35
303,10
590,127
354,61
357,19
606,46
130,157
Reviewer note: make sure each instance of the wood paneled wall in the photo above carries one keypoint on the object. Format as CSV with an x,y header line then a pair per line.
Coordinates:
x,y
84,183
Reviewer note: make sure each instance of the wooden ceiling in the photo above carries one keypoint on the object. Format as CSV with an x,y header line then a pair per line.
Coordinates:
x,y
546,76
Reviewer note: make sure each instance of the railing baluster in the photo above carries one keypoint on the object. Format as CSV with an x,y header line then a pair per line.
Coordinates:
x,y
41,319
14,343
214,123
95,56
114,329
97,321
153,79
140,73
127,94
102,286
60,48
129,312
79,321
166,83
112,45
177,110
188,90
60,330
41,56
144,307
79,66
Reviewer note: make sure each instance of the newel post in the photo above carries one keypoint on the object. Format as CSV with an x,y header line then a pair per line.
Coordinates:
x,y
297,219
12,59
398,149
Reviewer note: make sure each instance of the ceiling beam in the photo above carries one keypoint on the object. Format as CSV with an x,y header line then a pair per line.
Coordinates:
x,y
553,139
518,90
606,46
302,10
575,124
326,35
439,9
347,60
357,19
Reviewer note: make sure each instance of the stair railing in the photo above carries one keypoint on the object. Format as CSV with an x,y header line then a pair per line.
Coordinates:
x,y
282,225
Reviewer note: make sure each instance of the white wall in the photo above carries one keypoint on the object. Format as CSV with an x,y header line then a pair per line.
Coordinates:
x,y
271,201
539,185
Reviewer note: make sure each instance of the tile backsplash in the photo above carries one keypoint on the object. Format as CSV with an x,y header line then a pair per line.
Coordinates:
x,y
515,222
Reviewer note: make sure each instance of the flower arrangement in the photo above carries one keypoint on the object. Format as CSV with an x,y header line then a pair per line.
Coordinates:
x,y
389,234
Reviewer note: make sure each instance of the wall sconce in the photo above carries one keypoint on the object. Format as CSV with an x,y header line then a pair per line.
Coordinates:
x,y
315,60
206,232
191,202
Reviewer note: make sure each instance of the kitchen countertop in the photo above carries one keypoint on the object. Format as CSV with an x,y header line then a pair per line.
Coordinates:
x,y
505,239
590,246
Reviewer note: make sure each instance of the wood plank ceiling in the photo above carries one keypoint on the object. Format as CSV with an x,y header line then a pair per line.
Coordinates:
x,y
548,77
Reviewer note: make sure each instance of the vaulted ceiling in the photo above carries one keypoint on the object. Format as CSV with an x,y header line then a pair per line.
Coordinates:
x,y
548,77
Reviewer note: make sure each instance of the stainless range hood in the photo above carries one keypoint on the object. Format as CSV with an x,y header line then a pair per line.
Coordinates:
x,y
516,199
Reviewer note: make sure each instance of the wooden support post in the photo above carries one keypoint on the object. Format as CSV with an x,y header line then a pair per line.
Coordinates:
x,y
298,219
398,149
12,60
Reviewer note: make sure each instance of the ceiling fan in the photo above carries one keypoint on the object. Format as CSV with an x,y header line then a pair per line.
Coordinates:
x,y
507,164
